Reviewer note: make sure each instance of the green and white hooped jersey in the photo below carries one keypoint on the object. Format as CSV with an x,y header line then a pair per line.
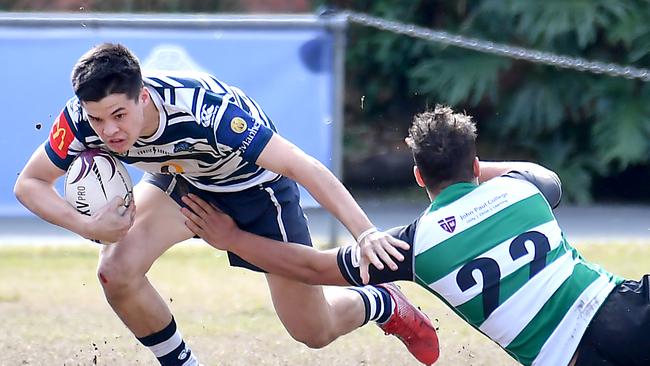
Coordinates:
x,y
497,256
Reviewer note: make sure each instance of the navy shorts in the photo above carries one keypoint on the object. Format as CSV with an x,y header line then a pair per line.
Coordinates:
x,y
619,333
270,209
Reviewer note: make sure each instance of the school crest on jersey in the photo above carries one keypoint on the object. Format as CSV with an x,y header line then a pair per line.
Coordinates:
x,y
448,224
238,125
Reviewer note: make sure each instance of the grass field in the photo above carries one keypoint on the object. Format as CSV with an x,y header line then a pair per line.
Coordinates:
x,y
52,312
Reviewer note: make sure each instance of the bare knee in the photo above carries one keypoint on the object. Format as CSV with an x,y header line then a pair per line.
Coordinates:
x,y
313,338
116,276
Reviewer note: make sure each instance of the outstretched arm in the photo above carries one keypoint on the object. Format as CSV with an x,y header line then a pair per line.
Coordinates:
x,y
377,247
544,179
492,169
298,262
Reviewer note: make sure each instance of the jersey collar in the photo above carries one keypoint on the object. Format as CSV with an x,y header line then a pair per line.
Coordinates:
x,y
451,194
162,118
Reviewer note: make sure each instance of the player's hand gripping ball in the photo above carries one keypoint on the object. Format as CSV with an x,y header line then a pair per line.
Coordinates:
x,y
94,178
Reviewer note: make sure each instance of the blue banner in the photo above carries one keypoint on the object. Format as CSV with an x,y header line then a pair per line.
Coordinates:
x,y
288,70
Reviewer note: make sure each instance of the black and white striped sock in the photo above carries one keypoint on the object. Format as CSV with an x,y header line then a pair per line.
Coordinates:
x,y
169,348
378,303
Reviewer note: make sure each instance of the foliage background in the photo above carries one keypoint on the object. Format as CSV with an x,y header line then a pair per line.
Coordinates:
x,y
594,130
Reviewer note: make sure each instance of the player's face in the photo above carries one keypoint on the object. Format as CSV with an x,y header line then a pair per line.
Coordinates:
x,y
117,120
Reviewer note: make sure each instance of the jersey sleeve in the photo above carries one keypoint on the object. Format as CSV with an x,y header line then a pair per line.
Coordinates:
x,y
405,233
548,184
63,142
348,260
239,131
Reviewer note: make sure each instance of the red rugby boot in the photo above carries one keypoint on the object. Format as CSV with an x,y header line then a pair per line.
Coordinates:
x,y
412,327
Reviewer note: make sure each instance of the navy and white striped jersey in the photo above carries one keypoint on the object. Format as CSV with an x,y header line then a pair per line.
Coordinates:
x,y
209,132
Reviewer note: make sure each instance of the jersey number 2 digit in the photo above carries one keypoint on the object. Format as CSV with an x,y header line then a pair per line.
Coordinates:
x,y
491,272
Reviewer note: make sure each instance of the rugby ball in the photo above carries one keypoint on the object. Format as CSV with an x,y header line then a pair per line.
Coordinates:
x,y
94,178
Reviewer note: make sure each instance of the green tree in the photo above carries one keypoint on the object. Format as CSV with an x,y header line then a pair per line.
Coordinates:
x,y
580,124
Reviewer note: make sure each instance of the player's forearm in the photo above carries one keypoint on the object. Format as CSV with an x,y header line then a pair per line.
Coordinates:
x,y
283,157
295,261
331,194
41,198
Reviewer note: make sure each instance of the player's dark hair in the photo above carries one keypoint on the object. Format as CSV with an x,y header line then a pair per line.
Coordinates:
x,y
107,69
444,146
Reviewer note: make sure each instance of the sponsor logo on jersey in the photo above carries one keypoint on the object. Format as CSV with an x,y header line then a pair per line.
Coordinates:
x,y
164,150
171,168
207,113
238,125
448,224
182,146
251,135
486,208
61,136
